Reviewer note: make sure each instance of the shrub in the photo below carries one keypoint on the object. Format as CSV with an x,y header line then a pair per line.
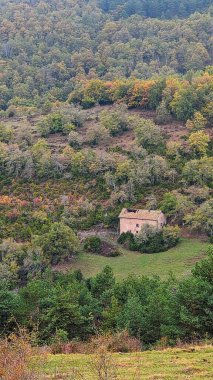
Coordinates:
x,y
53,123
92,244
149,136
88,102
171,236
5,133
118,342
109,250
116,121
150,239
16,358
58,341
75,139
97,134
125,236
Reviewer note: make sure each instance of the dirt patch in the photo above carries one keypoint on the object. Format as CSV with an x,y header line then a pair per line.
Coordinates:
x,y
187,233
57,142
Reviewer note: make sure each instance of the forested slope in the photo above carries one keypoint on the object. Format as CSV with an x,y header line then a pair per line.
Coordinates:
x,y
47,46
154,8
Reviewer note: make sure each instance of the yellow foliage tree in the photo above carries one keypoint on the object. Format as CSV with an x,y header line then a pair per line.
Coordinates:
x,y
198,122
198,141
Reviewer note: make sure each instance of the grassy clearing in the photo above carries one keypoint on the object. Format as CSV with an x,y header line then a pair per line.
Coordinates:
x,y
178,260
190,363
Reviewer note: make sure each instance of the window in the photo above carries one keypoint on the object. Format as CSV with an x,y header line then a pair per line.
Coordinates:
x,y
137,225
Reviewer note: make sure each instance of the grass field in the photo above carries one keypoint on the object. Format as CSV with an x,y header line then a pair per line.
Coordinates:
x,y
190,363
178,260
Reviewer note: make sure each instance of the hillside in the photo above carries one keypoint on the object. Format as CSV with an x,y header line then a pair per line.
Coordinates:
x,y
84,176
106,183
47,47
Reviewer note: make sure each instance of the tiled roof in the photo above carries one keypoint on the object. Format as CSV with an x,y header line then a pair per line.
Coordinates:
x,y
140,214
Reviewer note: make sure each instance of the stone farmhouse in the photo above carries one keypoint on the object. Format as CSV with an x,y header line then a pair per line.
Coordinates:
x,y
132,220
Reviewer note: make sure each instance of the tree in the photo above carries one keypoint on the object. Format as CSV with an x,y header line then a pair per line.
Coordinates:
x,y
199,171
168,204
196,57
149,136
152,170
97,134
202,218
52,123
131,316
184,103
194,297
204,268
199,141
59,243
116,121
163,116
207,111
198,122
102,282
5,134
9,305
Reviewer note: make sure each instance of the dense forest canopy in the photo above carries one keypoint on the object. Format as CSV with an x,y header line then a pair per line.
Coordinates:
x,y
46,47
154,8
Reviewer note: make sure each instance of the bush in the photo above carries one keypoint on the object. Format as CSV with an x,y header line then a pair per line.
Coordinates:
x,y
54,123
97,134
150,239
75,140
16,356
116,121
88,102
149,136
125,237
118,342
171,236
92,244
5,134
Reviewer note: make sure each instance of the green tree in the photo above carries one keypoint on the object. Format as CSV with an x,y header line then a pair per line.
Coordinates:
x,y
202,218
9,306
59,243
149,136
163,116
199,171
102,282
204,268
168,204
184,103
